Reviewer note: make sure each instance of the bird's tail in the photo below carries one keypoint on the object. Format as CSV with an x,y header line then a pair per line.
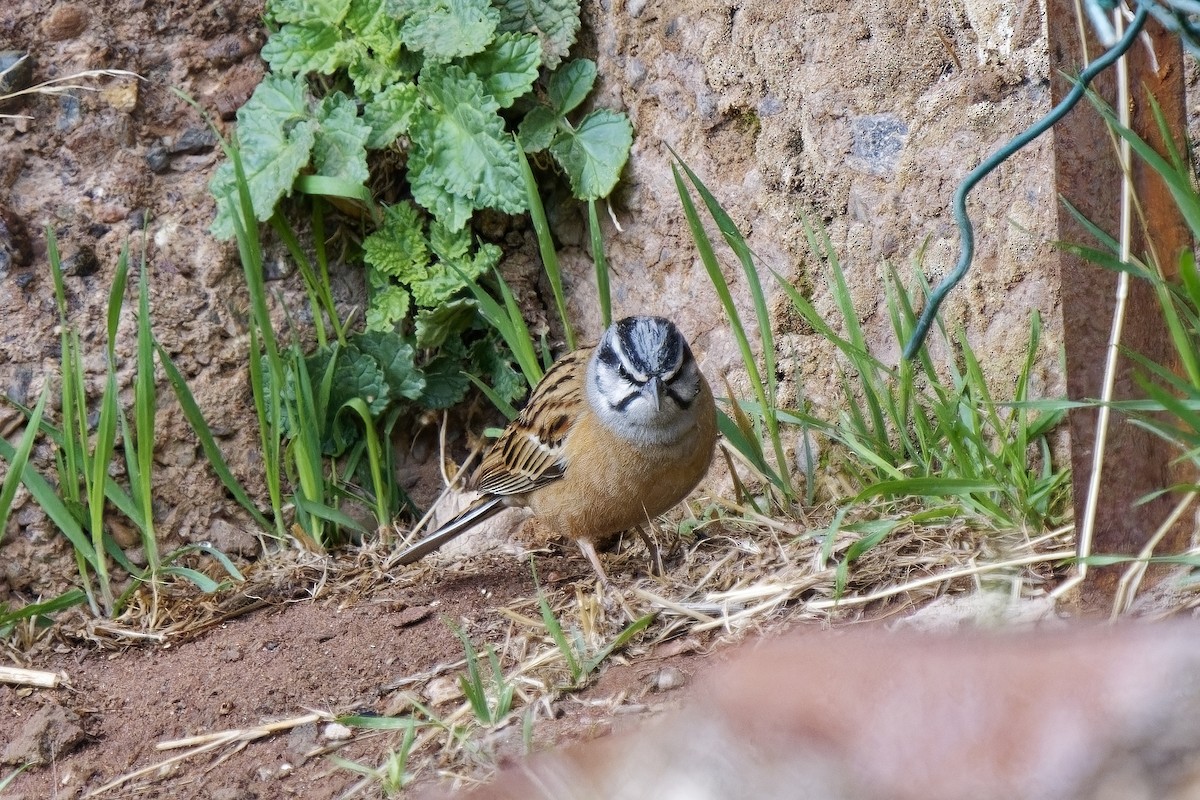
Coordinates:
x,y
475,513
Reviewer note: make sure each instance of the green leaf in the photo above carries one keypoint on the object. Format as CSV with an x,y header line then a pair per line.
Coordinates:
x,y
446,29
202,581
340,147
355,374
12,480
446,206
315,46
374,25
275,135
372,75
462,146
435,325
389,113
492,360
537,130
555,22
441,285
445,383
71,597
508,66
571,84
451,247
398,248
303,11
449,244
594,154
396,358
389,307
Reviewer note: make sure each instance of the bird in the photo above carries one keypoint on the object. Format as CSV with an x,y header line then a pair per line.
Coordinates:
x,y
611,437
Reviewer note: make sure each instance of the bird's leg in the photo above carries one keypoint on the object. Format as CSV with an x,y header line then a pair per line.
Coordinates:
x,y
656,565
589,550
606,586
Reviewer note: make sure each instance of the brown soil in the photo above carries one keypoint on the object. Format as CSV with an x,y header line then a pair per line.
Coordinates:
x,y
337,655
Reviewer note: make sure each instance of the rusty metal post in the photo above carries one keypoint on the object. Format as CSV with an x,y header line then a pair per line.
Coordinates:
x,y
1088,175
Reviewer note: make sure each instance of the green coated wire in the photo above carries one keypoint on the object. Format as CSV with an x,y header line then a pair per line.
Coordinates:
x,y
966,232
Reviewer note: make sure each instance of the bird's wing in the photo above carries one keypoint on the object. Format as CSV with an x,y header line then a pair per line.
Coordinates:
x,y
529,453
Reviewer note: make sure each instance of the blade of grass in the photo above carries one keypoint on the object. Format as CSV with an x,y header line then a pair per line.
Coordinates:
x,y
212,452
546,246
20,457
709,260
145,408
56,509
67,599
735,241
379,484
600,261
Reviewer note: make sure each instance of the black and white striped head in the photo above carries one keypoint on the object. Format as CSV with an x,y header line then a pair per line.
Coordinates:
x,y
642,379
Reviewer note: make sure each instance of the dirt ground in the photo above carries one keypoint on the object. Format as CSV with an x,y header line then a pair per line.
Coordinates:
x,y
744,93
331,655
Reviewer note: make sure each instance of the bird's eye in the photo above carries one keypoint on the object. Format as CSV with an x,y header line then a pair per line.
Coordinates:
x,y
624,374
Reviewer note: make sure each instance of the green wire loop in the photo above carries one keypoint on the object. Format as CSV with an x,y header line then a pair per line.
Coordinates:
x,y
966,232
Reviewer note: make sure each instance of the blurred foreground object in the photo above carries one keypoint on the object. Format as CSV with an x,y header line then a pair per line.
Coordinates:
x,y
1075,713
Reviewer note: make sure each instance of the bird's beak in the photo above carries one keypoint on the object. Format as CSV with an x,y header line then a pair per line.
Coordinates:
x,y
654,388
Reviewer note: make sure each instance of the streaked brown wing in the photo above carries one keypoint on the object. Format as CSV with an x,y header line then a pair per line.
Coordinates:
x,y
529,452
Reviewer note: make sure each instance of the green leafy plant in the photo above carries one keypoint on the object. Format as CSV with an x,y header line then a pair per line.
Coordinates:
x,y
405,115
86,493
443,84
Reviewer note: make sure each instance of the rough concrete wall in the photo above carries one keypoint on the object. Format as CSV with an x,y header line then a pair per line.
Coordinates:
x,y
865,116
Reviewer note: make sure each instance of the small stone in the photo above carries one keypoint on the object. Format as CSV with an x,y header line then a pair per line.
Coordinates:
x,y
411,616
229,49
276,269
110,213
70,113
769,106
49,734
300,741
443,690
635,72
235,88
193,141
669,678
16,71
677,647
28,515
81,263
337,732
232,793
878,141
123,96
157,159
14,240
231,539
65,21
